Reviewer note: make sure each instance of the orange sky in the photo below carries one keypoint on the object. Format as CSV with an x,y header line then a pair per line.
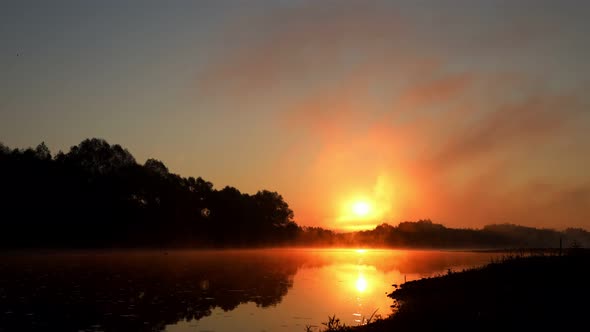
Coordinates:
x,y
467,115
410,131
374,114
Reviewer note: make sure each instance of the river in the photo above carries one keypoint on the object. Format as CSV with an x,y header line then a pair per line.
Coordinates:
x,y
226,290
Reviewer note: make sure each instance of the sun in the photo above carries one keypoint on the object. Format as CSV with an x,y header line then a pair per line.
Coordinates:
x,y
361,208
358,213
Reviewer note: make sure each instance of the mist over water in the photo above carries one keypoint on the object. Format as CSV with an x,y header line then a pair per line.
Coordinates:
x,y
253,290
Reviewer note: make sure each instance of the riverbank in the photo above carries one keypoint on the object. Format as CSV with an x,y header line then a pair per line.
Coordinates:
x,y
517,293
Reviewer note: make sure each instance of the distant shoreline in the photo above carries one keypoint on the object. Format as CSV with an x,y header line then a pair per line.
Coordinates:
x,y
520,251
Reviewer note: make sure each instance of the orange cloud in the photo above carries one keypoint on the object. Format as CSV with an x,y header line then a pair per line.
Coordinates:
x,y
370,112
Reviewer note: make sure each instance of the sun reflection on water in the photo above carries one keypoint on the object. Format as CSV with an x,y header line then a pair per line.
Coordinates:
x,y
351,284
361,283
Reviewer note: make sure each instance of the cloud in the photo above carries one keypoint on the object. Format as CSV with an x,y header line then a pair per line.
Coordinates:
x,y
533,121
435,133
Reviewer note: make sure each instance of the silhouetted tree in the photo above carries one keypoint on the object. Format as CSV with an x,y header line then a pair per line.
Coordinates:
x,y
96,195
4,149
156,166
273,209
42,152
97,156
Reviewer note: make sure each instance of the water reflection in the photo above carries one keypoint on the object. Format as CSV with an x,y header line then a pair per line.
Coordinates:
x,y
361,283
147,291
134,291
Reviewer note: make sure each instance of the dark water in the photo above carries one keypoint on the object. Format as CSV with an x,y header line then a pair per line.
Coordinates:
x,y
246,290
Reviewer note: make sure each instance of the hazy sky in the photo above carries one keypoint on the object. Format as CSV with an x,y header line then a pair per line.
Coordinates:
x,y
465,112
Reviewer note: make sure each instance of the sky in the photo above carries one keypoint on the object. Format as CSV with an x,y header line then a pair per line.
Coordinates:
x,y
464,112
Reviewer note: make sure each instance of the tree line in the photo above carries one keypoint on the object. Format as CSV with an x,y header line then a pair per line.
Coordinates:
x,y
427,234
97,195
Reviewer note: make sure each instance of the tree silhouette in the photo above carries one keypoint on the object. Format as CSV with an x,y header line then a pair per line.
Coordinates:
x,y
156,166
42,152
4,149
96,195
98,156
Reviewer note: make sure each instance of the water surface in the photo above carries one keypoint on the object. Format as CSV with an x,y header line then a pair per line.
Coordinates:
x,y
246,290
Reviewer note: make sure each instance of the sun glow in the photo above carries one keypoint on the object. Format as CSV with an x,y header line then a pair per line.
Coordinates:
x,y
361,208
361,283
364,208
357,213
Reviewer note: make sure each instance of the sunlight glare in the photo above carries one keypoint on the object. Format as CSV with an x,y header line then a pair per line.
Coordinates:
x,y
361,208
361,283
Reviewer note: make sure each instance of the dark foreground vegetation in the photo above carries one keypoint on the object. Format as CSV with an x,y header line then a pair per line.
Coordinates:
x,y
97,196
535,293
